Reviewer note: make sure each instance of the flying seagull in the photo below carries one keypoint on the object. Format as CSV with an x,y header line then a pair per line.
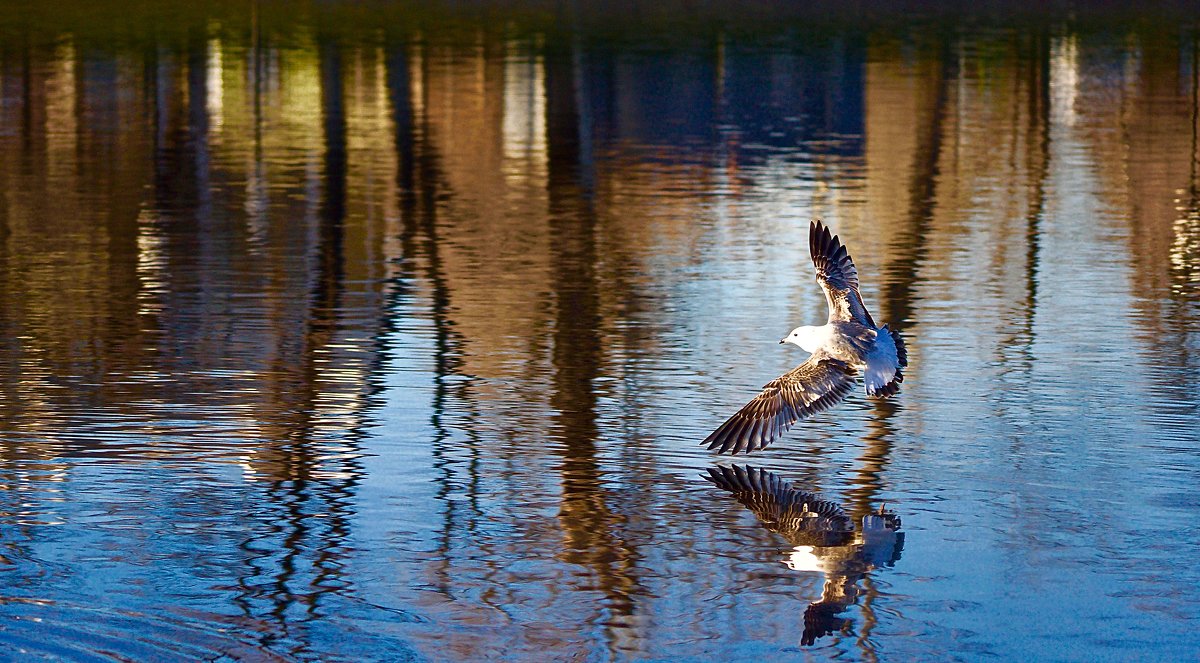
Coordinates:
x,y
847,343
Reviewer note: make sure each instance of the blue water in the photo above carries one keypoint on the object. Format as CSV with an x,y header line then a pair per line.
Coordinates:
x,y
348,334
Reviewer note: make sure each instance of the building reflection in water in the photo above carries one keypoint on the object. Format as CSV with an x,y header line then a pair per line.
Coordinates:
x,y
824,537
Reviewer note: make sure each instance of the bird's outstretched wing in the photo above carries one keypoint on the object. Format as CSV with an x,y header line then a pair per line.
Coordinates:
x,y
801,517
837,275
811,387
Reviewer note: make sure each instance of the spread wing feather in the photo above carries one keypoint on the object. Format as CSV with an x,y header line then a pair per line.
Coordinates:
x,y
802,517
837,276
893,386
811,387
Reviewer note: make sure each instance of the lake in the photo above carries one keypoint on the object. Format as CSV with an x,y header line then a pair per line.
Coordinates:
x,y
345,332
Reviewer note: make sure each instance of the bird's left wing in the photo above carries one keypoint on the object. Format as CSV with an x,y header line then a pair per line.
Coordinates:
x,y
811,387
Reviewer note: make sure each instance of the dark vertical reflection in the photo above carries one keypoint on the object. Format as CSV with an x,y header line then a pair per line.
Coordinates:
x,y
18,507
1016,349
297,558
906,253
900,273
123,337
1179,346
867,483
27,100
258,56
908,249
1038,151
333,202
421,185
198,125
874,459
1194,189
590,526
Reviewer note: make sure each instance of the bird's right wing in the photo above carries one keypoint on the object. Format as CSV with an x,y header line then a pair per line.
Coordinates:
x,y
837,275
801,516
811,387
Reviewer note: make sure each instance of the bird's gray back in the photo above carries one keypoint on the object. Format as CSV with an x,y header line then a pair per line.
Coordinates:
x,y
850,341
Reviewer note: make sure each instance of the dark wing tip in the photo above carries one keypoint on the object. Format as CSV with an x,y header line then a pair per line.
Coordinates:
x,y
892,388
782,403
759,423
820,241
743,432
901,351
819,235
831,258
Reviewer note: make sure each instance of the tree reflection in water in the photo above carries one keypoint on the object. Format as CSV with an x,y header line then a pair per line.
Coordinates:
x,y
312,308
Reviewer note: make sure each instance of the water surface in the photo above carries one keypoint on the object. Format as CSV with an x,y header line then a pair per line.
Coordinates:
x,y
346,333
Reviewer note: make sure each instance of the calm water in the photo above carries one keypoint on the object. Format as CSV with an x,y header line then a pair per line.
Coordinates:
x,y
339,333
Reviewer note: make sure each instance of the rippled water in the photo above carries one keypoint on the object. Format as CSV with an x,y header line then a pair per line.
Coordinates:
x,y
344,333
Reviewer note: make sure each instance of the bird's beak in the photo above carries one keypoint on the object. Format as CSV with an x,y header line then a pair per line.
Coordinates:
x,y
782,341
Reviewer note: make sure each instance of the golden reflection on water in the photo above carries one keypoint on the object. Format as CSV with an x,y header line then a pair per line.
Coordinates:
x,y
241,244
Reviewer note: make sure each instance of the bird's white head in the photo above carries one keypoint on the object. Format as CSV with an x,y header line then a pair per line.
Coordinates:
x,y
808,338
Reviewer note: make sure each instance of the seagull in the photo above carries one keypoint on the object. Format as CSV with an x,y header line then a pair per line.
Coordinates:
x,y
847,343
824,539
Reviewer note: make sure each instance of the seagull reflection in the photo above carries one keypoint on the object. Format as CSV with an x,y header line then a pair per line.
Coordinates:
x,y
823,538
